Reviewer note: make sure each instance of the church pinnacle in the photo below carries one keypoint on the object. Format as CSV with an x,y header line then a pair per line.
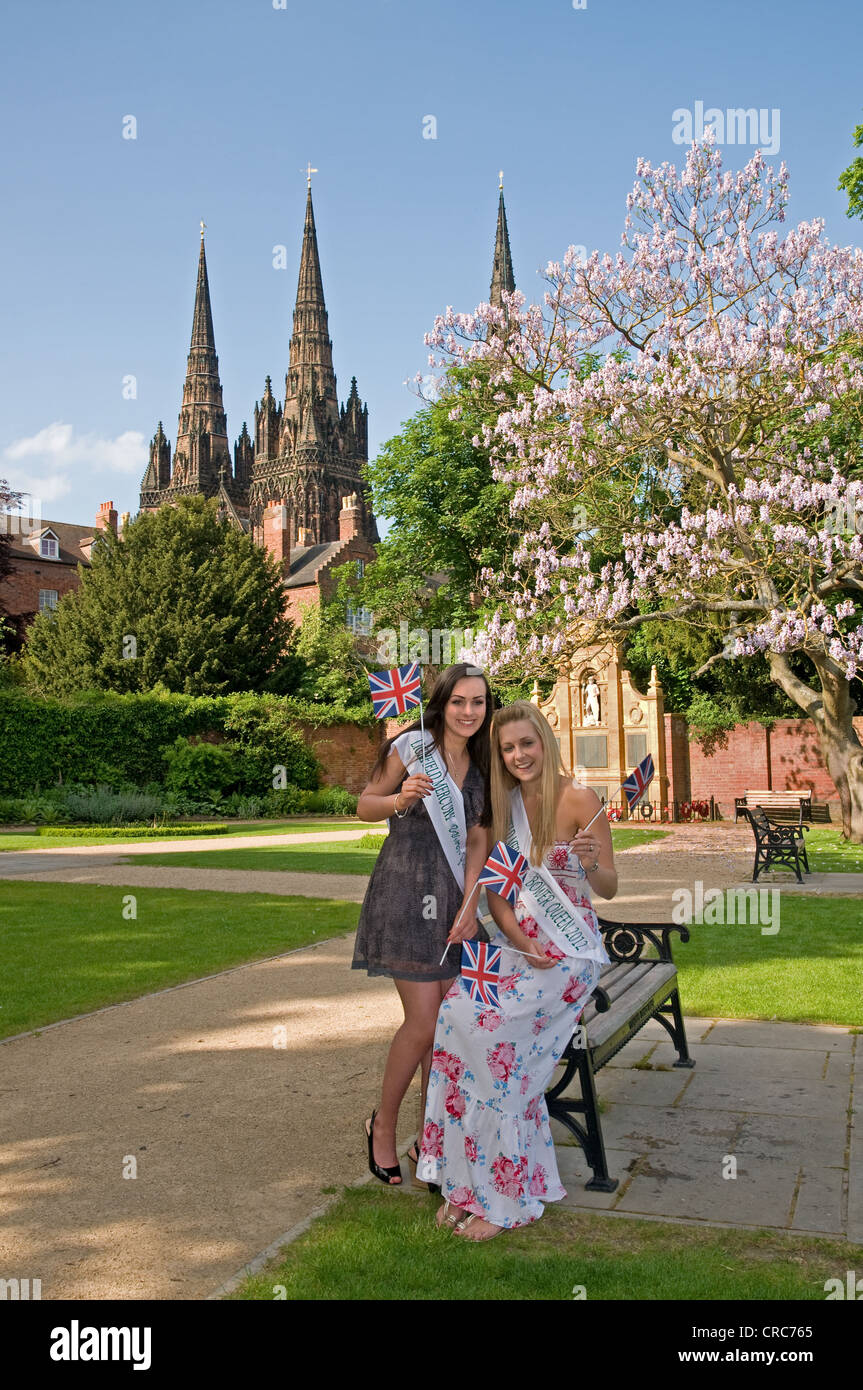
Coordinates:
x,y
310,376
502,277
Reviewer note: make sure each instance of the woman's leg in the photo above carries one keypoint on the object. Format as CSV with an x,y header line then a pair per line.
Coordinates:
x,y
410,1048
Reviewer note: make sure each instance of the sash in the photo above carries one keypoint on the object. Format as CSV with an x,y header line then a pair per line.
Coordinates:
x,y
445,806
567,925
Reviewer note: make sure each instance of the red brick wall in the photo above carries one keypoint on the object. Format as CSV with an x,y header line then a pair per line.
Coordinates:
x,y
346,752
677,757
785,757
19,591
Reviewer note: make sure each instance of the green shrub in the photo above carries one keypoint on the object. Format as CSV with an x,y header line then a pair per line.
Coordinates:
x,y
370,841
203,771
263,729
333,801
102,805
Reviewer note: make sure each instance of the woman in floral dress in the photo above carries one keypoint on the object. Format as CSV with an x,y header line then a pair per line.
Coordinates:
x,y
486,1138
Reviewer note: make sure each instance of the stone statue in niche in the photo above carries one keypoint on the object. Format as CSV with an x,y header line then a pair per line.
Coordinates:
x,y
590,702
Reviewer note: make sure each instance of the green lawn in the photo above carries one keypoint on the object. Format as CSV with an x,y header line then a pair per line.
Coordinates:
x,y
27,839
827,852
66,949
383,1246
811,971
345,858
625,836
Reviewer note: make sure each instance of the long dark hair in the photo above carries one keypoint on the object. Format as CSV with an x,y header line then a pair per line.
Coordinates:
x,y
478,745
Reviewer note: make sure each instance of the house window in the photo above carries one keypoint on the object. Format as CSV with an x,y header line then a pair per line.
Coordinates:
x,y
48,600
358,621
361,568
48,547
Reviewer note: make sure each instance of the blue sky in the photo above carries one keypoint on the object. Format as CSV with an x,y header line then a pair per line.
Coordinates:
x,y
99,237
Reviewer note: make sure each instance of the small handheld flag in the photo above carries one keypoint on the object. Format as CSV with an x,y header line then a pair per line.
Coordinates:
x,y
480,970
637,782
395,691
504,871
635,785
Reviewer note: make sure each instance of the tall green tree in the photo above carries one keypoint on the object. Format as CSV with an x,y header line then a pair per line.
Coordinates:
x,y
182,599
851,179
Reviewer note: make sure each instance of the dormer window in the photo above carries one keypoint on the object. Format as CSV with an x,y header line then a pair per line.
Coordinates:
x,y
49,548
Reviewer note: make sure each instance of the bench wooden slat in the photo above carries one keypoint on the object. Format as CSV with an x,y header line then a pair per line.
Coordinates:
x,y
647,990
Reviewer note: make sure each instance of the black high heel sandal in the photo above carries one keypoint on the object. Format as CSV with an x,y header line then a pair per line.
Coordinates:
x,y
414,1161
384,1174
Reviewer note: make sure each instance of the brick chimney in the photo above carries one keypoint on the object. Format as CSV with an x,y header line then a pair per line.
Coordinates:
x,y
350,518
277,533
106,517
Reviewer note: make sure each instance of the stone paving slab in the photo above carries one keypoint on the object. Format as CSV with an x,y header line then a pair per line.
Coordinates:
x,y
761,1194
741,1032
820,1200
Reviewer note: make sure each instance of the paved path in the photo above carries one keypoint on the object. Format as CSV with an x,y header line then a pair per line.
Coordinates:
x,y
235,1135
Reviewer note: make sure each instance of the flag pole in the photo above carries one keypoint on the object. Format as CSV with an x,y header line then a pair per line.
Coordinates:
x,y
422,725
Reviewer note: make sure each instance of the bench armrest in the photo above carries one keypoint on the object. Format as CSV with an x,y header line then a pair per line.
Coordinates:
x,y
626,941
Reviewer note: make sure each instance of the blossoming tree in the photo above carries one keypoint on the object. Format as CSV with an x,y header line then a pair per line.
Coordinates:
x,y
694,403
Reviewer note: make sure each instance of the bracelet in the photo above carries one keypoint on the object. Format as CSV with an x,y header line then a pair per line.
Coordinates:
x,y
400,814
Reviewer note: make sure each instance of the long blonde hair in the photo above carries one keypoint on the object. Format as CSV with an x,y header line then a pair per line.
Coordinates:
x,y
502,781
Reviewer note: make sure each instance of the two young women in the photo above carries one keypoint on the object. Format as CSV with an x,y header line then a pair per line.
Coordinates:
x,y
485,1140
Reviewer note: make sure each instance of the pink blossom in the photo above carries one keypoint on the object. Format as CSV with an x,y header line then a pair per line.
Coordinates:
x,y
432,1140
507,1178
490,1020
448,1063
574,990
501,1060
462,1197
470,1148
538,1186
454,1101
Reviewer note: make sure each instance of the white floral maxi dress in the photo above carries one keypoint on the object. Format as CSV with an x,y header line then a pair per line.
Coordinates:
x,y
486,1138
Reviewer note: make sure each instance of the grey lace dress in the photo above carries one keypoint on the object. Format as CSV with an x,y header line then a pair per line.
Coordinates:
x,y
412,898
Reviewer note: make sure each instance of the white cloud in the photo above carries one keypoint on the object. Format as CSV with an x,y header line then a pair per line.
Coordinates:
x,y
48,465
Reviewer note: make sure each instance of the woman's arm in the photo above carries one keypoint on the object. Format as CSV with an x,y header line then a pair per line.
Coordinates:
x,y
594,846
382,796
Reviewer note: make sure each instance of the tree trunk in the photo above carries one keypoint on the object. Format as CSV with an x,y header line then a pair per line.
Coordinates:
x,y
832,713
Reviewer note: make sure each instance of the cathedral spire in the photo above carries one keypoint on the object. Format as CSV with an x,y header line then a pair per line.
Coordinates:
x,y
502,277
202,429
310,381
202,321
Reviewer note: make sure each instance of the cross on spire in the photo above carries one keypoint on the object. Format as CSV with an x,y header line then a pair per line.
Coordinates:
x,y
308,173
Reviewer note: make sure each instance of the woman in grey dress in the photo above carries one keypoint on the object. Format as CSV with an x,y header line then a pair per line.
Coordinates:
x,y
413,898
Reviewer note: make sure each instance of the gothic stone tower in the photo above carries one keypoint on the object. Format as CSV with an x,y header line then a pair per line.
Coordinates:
x,y
306,454
201,458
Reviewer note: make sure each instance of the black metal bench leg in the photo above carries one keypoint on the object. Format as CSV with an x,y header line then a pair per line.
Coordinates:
x,y
594,1149
679,1034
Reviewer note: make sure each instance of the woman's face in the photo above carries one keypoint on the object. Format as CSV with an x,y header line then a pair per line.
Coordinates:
x,y
465,708
521,750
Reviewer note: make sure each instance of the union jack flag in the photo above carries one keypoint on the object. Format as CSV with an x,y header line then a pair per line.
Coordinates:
x,y
480,970
638,781
503,872
397,690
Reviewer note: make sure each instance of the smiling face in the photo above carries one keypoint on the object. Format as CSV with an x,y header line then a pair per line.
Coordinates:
x,y
522,751
465,709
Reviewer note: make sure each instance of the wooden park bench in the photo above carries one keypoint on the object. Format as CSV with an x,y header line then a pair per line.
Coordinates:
x,y
632,989
777,846
793,807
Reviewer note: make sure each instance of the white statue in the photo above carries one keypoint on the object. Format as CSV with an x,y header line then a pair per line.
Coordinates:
x,y
591,702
